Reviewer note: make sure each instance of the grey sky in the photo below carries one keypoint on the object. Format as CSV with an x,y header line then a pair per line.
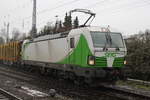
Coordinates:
x,y
127,16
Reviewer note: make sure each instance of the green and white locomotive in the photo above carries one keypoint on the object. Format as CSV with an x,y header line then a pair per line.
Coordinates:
x,y
87,52
90,52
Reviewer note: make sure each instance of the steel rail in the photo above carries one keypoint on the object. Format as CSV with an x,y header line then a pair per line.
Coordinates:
x,y
9,95
112,91
127,93
139,81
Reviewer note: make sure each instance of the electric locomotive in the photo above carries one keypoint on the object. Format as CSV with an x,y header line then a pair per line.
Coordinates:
x,y
85,53
91,52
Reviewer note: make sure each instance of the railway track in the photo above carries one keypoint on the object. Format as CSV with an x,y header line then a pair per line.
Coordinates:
x,y
124,92
110,91
139,81
5,95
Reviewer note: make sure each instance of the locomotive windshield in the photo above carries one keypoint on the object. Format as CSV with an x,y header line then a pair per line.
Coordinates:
x,y
116,40
101,39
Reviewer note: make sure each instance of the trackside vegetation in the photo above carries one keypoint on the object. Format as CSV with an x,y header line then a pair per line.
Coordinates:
x,y
138,57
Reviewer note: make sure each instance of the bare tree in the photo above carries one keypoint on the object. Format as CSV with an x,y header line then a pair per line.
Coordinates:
x,y
15,34
3,34
2,41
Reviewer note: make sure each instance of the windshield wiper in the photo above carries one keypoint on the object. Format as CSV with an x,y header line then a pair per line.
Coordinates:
x,y
110,40
105,47
107,39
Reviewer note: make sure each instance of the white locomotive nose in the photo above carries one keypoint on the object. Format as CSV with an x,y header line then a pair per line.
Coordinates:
x,y
110,61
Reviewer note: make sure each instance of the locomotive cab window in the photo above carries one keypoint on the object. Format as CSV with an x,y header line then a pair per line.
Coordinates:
x,y
72,43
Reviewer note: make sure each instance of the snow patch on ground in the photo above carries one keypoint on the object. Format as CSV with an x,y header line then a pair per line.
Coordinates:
x,y
34,93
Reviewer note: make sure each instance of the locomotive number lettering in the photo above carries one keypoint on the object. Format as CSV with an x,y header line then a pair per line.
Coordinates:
x,y
109,54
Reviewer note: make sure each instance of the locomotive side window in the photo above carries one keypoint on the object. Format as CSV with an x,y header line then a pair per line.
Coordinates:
x,y
72,43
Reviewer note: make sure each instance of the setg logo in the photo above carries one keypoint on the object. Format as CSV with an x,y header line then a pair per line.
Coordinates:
x,y
110,54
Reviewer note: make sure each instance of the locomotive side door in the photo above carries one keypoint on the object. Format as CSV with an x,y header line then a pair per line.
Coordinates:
x,y
74,51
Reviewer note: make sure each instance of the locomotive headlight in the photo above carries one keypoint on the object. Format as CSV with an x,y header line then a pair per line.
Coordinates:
x,y
91,60
125,62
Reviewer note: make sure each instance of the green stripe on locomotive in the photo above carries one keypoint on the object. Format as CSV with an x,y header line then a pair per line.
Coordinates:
x,y
79,56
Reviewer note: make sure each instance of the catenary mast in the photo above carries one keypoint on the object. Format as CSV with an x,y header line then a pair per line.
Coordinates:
x,y
34,29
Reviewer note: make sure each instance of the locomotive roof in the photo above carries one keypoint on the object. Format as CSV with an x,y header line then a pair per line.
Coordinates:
x,y
86,30
77,31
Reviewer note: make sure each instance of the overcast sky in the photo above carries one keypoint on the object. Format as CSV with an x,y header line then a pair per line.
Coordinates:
x,y
126,16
